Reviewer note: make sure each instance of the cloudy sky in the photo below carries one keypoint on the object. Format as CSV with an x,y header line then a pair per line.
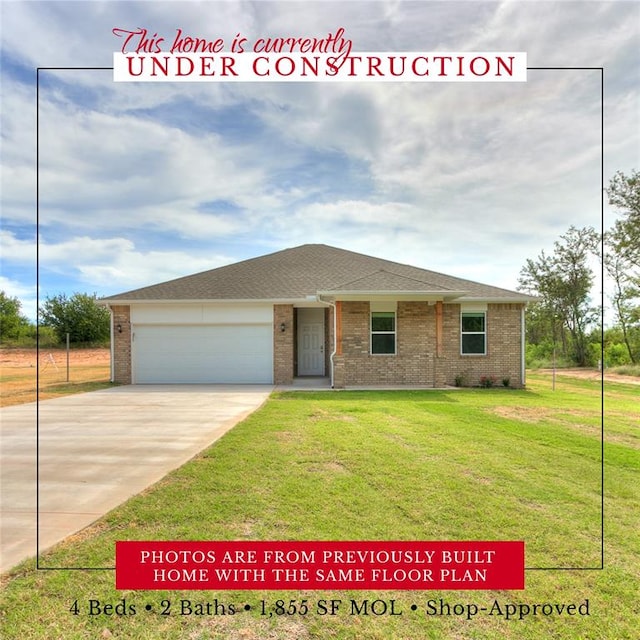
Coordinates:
x,y
143,182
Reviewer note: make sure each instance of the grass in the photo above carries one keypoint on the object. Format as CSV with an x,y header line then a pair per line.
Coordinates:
x,y
461,464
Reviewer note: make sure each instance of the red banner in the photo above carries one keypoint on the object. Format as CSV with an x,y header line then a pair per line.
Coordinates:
x,y
320,565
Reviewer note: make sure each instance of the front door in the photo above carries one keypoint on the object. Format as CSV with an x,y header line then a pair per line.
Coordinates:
x,y
311,342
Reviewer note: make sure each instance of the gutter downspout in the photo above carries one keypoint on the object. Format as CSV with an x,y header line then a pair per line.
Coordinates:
x,y
335,344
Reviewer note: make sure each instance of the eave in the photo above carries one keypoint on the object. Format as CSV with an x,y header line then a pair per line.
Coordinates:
x,y
109,302
523,299
404,296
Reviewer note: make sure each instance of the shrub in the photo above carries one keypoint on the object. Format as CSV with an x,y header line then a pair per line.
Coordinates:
x,y
80,316
627,370
536,353
486,382
506,381
14,326
47,337
616,355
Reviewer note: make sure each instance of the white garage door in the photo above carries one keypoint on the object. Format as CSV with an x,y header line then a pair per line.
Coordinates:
x,y
202,354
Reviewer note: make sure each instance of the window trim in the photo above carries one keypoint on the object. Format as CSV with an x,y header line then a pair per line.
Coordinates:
x,y
470,312
393,333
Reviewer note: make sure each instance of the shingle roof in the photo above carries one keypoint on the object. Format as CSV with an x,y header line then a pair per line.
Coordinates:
x,y
383,280
304,271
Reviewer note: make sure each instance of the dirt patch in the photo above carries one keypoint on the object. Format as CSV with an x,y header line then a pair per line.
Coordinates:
x,y
476,477
21,369
29,357
591,374
245,627
524,414
331,467
557,416
293,438
322,415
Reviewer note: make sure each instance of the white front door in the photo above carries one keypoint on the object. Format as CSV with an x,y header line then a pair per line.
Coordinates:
x,y
311,342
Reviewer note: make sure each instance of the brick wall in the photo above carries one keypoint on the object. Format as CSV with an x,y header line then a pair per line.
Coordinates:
x,y
415,344
504,348
121,344
283,344
415,362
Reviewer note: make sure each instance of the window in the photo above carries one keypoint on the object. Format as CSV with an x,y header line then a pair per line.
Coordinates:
x,y
473,334
383,332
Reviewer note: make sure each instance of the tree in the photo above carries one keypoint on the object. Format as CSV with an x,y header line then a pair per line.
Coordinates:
x,y
625,293
622,258
12,323
80,316
563,281
624,194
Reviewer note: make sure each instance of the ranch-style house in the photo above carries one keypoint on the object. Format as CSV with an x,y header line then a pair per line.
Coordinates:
x,y
316,310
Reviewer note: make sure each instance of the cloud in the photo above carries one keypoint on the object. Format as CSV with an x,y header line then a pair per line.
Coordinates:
x,y
16,289
92,163
458,152
106,264
64,34
25,293
18,250
142,182
131,269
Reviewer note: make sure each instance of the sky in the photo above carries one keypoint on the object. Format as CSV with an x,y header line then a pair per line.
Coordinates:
x,y
139,183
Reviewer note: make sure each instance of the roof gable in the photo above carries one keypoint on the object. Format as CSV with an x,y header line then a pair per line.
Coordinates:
x,y
383,280
300,272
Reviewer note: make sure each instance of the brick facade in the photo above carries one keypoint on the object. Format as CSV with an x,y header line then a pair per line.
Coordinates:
x,y
416,361
283,344
415,343
121,344
504,348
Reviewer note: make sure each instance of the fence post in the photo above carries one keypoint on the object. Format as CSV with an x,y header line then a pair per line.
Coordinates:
x,y
67,357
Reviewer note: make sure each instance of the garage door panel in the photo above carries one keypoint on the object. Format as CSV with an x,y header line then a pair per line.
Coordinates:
x,y
203,354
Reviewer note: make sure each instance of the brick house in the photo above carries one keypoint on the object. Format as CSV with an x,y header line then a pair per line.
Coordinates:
x,y
316,310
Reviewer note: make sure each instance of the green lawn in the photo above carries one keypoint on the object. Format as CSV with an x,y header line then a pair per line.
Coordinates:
x,y
414,465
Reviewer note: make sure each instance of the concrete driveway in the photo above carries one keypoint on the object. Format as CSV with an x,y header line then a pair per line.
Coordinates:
x,y
98,449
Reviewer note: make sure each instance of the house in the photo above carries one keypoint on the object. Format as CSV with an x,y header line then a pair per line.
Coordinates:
x,y
317,310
